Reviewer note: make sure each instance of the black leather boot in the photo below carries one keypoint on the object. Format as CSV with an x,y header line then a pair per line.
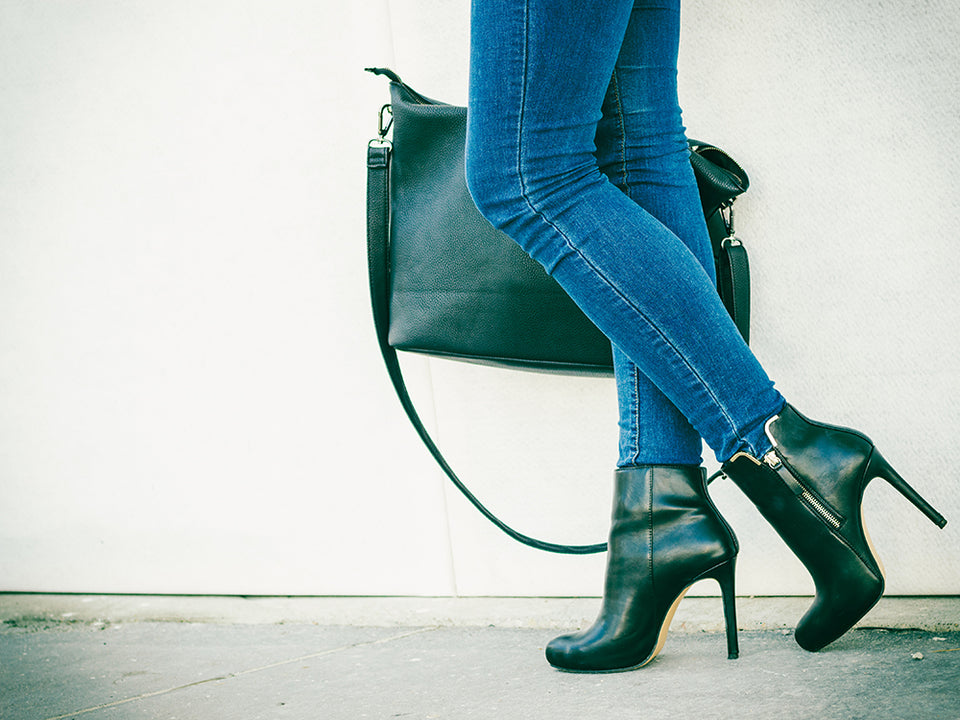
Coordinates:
x,y
810,488
665,535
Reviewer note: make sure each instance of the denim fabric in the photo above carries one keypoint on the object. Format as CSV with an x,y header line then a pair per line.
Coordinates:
x,y
576,149
641,148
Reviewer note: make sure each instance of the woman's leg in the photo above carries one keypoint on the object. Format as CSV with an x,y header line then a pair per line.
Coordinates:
x,y
664,524
539,73
540,70
637,139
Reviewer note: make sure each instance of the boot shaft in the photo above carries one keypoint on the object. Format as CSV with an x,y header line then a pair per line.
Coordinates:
x,y
663,520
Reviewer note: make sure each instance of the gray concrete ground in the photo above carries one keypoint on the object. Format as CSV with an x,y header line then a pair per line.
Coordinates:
x,y
99,658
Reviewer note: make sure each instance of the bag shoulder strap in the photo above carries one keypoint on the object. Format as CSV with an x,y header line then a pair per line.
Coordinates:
x,y
378,234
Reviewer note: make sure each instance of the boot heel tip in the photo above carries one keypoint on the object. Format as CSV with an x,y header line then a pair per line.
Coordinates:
x,y
733,656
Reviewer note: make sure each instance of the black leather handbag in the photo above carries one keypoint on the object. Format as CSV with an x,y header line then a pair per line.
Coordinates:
x,y
445,283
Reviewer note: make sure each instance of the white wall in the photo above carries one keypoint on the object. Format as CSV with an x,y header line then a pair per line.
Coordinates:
x,y
192,400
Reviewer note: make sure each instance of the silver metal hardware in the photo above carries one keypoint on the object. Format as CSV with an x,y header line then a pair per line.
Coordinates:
x,y
766,429
817,507
772,460
726,214
382,129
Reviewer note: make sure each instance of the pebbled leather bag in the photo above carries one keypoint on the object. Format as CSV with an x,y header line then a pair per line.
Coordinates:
x,y
444,282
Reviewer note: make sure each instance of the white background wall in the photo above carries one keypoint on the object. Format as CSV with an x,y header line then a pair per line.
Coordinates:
x,y
191,399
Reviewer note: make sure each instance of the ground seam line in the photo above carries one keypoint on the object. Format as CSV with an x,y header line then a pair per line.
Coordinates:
x,y
239,673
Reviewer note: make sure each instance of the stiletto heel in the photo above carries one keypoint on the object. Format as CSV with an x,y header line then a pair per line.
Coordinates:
x,y
878,467
724,575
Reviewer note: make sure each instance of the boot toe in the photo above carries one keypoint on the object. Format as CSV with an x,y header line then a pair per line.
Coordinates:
x,y
589,652
565,652
834,613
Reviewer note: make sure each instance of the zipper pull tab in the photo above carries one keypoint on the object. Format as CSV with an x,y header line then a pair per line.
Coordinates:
x,y
773,461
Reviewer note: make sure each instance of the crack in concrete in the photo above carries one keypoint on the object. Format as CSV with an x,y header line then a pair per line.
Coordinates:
x,y
240,673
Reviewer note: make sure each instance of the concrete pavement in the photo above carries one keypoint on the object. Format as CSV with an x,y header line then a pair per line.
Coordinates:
x,y
100,658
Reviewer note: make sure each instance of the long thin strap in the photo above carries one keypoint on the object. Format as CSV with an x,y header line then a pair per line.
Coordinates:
x,y
734,272
378,228
733,269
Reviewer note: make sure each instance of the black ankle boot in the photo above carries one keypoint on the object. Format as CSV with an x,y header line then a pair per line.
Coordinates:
x,y
810,488
665,535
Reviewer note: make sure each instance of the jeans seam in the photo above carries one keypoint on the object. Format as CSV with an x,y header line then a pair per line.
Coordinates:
x,y
606,281
653,326
520,116
634,454
635,400
622,126
659,331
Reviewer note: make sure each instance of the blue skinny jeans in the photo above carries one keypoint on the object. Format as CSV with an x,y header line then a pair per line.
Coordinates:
x,y
576,149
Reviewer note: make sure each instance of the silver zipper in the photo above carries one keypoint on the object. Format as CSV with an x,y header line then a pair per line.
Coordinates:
x,y
783,472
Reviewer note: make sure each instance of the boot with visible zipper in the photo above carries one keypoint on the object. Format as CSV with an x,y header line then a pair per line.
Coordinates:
x,y
810,489
665,535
